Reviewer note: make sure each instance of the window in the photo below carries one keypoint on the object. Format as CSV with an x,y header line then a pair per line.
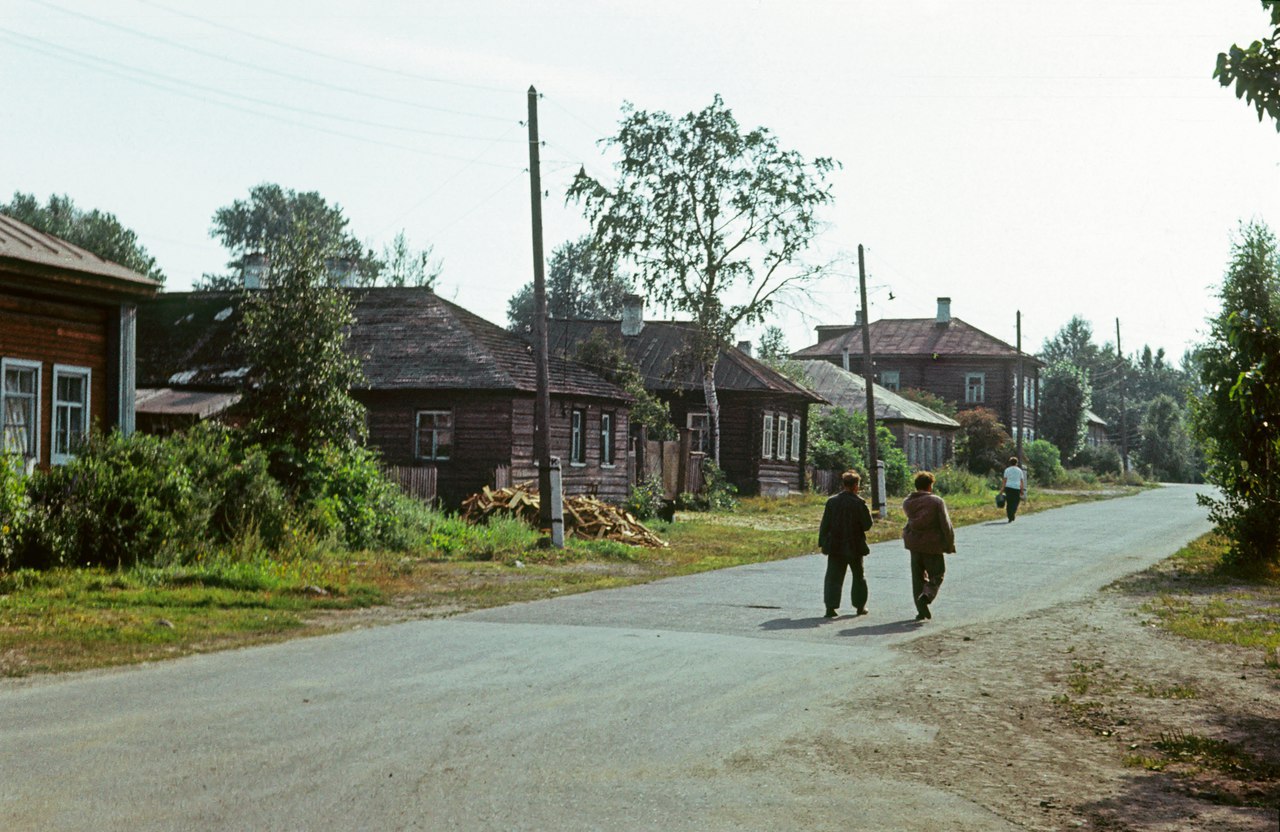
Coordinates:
x,y
433,438
975,388
577,439
70,411
920,461
783,445
766,446
795,437
889,379
606,438
699,425
20,408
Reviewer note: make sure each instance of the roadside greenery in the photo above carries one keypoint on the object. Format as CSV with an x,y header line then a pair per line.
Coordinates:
x,y
838,442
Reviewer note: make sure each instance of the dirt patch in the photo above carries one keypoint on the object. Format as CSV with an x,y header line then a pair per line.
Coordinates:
x,y
1083,717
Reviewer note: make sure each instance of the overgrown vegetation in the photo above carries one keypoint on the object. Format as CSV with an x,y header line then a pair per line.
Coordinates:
x,y
838,442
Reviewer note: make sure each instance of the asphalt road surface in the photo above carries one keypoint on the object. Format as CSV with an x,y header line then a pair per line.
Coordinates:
x,y
660,706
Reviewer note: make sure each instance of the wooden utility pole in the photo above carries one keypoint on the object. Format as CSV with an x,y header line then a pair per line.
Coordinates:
x,y
873,455
542,405
1124,416
1021,382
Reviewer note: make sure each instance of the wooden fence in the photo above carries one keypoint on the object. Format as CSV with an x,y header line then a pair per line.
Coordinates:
x,y
418,481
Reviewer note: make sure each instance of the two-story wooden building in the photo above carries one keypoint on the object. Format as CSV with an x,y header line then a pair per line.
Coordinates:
x,y
944,356
445,390
66,345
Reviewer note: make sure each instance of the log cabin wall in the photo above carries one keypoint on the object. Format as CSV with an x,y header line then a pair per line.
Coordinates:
x,y
53,332
590,474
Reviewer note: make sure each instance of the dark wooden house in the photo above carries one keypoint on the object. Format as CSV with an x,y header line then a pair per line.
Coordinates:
x,y
446,391
942,355
927,437
66,344
764,416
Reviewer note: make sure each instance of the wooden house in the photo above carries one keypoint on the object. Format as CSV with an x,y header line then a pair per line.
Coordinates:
x,y
764,416
1095,430
927,437
447,393
942,355
66,344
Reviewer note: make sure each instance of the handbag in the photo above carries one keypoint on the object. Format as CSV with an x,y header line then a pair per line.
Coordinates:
x,y
999,499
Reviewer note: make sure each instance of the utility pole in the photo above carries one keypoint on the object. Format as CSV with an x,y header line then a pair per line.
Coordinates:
x,y
873,455
542,405
1124,415
1021,382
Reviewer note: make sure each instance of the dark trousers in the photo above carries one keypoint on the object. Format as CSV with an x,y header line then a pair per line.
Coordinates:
x,y
1011,498
834,583
926,576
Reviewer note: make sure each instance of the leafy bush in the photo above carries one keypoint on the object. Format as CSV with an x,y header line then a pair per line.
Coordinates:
x,y
15,513
949,480
344,495
838,442
982,441
717,492
1101,459
645,498
1044,462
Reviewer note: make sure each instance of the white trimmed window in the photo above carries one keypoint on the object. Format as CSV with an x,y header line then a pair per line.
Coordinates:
x,y
795,437
20,408
766,445
699,425
70,411
783,445
606,438
433,435
577,438
890,379
975,388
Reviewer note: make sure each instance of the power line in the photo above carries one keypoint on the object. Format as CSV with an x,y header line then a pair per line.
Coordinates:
x,y
259,68
317,53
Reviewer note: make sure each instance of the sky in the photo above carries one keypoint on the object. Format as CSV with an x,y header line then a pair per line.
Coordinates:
x,y
1053,159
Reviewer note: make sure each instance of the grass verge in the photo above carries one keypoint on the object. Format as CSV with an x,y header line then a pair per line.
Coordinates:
x,y
66,620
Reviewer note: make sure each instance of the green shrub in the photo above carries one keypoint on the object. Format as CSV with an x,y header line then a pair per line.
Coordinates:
x,y
645,498
1101,459
948,480
1044,462
717,492
15,513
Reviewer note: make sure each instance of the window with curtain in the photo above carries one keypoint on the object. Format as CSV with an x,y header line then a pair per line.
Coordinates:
x,y
795,437
606,438
766,445
19,407
577,439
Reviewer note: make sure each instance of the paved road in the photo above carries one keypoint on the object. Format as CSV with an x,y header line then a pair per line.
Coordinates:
x,y
661,706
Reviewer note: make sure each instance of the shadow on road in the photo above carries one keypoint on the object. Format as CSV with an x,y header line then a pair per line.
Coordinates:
x,y
792,623
906,625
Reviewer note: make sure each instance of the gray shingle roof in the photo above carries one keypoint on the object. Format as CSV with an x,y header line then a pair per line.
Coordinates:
x,y
848,390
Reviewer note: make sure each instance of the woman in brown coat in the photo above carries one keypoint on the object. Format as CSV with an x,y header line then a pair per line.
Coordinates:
x,y
929,536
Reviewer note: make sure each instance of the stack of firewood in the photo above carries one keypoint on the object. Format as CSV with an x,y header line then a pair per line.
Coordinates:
x,y
583,516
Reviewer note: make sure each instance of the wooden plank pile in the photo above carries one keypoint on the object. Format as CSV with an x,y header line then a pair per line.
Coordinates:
x,y
584,516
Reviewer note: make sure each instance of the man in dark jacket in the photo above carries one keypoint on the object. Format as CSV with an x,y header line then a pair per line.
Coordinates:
x,y
842,536
929,535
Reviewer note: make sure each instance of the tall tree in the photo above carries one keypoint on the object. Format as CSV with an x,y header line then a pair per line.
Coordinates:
x,y
404,266
1165,449
1064,400
581,285
92,230
294,336
1237,418
705,213
1255,70
275,221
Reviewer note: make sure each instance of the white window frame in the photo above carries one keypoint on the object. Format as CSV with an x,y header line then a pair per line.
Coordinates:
x,y
608,426
891,380
766,446
975,394
33,432
700,439
434,453
577,437
61,406
795,438
781,420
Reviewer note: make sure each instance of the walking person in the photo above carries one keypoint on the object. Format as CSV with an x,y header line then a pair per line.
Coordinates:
x,y
929,536
1015,488
842,536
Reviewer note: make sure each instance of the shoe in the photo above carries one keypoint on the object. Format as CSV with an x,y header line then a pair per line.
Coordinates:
x,y
830,614
922,617
924,600
923,613
862,611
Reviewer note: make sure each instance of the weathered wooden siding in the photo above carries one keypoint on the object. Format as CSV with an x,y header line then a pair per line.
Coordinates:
x,y
610,483
926,446
56,332
945,377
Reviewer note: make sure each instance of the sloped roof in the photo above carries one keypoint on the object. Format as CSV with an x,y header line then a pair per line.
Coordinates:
x,y
24,249
916,336
1094,419
169,402
406,338
659,354
849,391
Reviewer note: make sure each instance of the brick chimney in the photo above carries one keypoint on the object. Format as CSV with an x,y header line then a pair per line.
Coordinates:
x,y
944,310
632,315
744,347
